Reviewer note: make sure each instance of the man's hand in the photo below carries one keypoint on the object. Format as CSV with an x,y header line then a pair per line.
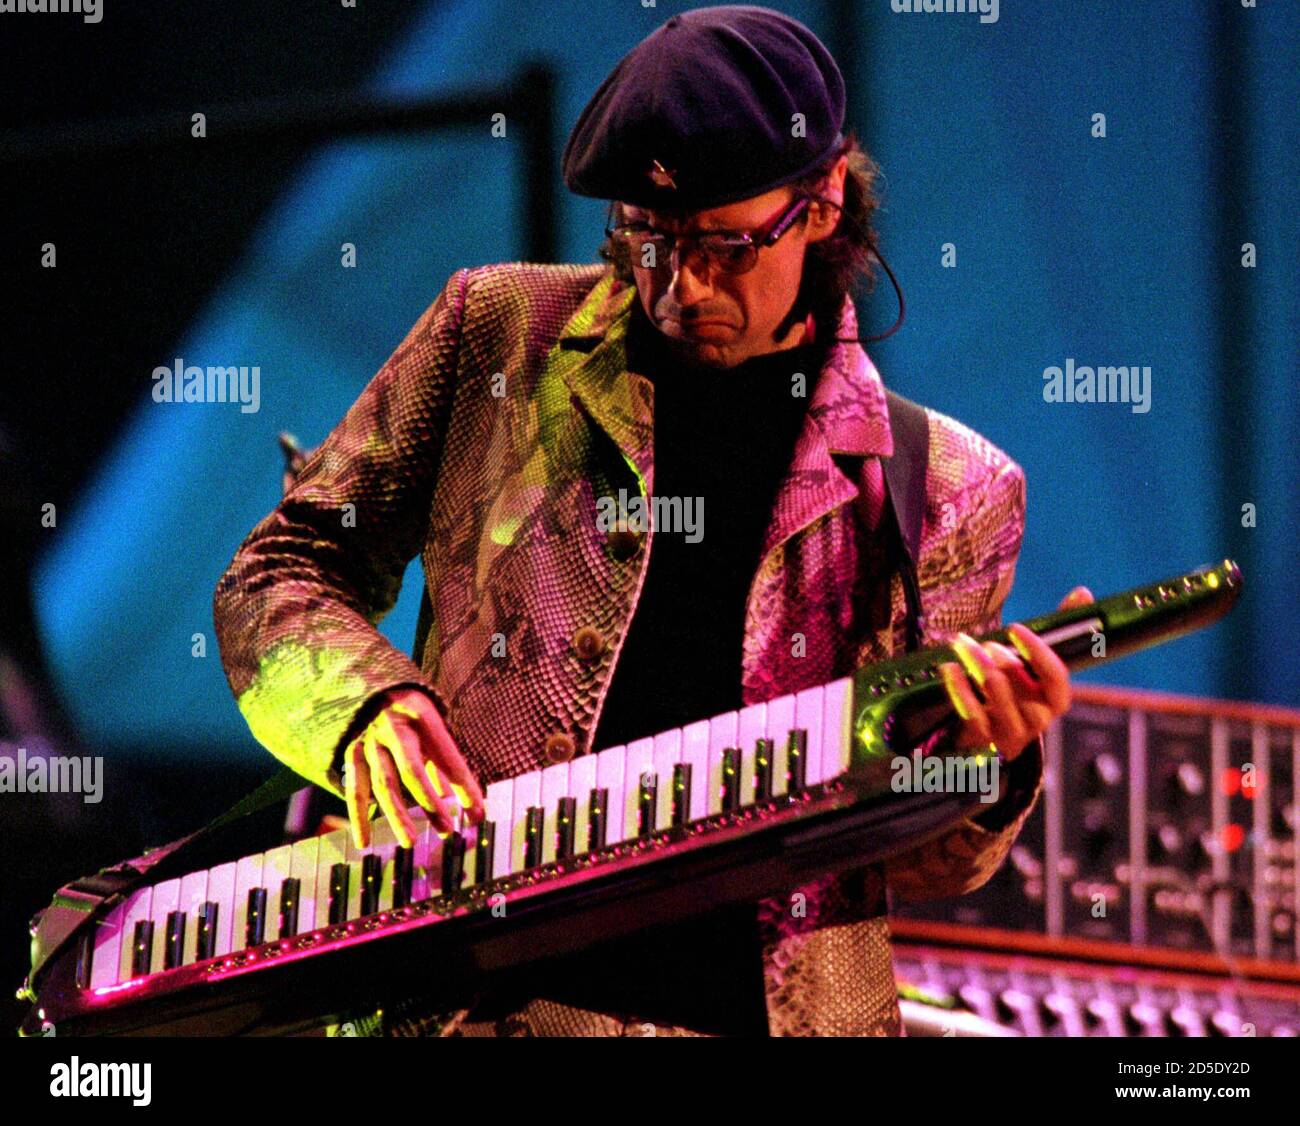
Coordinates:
x,y
407,756
1005,697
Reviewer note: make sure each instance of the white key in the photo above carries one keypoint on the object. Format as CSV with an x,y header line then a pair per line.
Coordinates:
x,y
136,910
106,962
275,870
609,776
780,722
638,764
582,780
303,864
751,726
248,875
667,754
221,891
333,849
194,893
166,899
525,793
808,707
695,752
722,734
499,803
555,785
837,726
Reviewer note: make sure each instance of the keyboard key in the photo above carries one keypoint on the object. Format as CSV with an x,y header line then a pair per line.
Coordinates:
x,y
809,707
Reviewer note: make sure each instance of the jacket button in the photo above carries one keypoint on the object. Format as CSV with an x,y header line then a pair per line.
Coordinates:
x,y
623,543
589,643
559,747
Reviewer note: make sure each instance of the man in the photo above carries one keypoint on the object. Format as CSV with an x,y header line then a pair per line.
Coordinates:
x,y
713,361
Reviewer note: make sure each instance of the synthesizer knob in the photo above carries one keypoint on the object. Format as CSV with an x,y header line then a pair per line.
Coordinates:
x,y
1191,779
1106,770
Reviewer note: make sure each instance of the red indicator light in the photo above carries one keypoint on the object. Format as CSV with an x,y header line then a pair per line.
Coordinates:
x,y
1233,837
1230,781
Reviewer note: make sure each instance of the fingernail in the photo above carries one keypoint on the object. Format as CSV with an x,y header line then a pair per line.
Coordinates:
x,y
950,683
1020,645
462,795
962,645
441,835
431,772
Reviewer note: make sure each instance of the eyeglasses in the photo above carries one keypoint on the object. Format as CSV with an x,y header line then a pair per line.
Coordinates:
x,y
732,252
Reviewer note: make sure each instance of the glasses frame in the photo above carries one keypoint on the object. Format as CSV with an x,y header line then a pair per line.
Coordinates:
x,y
755,238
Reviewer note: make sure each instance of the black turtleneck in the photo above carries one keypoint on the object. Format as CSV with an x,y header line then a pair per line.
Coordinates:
x,y
725,437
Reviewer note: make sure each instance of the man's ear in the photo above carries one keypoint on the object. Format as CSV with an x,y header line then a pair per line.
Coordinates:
x,y
822,218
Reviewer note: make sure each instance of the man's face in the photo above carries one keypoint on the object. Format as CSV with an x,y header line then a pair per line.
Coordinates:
x,y
714,318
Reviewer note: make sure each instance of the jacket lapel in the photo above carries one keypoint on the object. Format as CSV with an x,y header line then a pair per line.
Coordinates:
x,y
847,415
591,358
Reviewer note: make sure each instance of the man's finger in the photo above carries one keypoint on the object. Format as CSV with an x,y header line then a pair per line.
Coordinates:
x,y
383,776
975,724
404,743
1079,596
356,792
1053,676
444,753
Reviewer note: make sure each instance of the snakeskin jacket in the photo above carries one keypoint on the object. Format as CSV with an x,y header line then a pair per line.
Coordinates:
x,y
483,444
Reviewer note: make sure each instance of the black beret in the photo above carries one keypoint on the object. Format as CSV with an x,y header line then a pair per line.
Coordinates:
x,y
701,112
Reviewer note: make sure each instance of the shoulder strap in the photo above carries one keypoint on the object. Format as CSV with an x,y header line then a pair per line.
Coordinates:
x,y
905,475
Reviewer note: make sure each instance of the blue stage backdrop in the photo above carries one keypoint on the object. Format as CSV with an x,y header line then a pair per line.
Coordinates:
x,y
1022,240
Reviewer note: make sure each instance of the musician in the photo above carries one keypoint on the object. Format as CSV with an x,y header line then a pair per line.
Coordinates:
x,y
712,356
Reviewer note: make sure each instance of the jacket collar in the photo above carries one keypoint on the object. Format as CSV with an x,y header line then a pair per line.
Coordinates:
x,y
847,414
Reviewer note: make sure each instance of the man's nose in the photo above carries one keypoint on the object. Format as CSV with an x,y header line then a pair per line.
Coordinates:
x,y
688,286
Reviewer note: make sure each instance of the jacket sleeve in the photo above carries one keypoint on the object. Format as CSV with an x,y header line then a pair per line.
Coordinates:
x,y
296,610
979,556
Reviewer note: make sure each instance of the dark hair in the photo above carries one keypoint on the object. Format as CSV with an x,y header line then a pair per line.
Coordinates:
x,y
835,265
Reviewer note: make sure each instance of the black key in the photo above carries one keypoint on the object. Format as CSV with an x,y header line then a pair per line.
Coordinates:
x,y
372,879
403,875
646,798
255,928
174,946
205,945
681,794
796,761
338,893
534,825
453,863
141,947
596,818
764,752
730,780
290,889
566,823
484,851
